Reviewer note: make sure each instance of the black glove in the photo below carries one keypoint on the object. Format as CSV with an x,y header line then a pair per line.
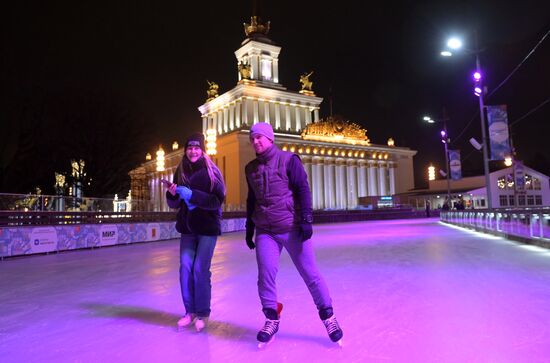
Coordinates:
x,y
250,234
306,227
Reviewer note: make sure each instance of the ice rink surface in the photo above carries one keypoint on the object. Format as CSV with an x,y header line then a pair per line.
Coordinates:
x,y
403,291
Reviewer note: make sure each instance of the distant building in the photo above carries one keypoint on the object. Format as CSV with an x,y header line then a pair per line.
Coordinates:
x,y
341,163
535,192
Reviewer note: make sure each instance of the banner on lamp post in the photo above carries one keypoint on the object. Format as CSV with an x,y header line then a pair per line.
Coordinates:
x,y
455,164
497,119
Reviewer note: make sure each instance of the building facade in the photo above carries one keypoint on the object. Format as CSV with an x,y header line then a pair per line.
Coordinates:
x,y
341,162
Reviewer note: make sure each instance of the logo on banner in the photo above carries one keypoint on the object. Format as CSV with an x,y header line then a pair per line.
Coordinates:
x,y
43,239
108,235
497,119
455,164
153,232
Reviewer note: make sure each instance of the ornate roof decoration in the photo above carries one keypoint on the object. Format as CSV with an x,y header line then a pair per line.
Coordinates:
x,y
256,27
336,129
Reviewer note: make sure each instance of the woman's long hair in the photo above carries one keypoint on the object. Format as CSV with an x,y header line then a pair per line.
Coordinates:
x,y
214,173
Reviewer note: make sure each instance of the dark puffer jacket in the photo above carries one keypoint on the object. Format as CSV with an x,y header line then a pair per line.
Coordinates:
x,y
206,218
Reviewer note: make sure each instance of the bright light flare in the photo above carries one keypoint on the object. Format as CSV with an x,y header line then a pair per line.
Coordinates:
x,y
454,43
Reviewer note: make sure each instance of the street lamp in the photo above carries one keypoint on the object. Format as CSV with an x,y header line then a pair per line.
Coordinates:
x,y
479,91
445,140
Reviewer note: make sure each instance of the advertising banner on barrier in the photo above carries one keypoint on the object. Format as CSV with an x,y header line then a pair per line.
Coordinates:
x,y
43,239
153,232
497,120
455,164
108,235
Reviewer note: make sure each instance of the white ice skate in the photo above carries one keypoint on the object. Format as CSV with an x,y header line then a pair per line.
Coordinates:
x,y
334,331
200,323
186,320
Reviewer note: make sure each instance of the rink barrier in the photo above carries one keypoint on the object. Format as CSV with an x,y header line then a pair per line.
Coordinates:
x,y
39,239
528,226
34,232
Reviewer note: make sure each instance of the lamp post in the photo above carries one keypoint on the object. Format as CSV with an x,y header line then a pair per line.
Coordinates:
x,y
479,91
445,140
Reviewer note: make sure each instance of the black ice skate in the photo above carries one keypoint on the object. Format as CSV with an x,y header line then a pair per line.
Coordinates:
x,y
271,326
334,331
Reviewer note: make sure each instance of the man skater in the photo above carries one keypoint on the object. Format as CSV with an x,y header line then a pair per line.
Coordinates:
x,y
279,209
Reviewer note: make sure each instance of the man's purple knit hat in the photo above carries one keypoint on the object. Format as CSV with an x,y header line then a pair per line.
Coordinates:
x,y
262,128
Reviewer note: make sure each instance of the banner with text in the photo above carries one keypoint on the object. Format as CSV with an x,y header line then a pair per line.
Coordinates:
x,y
455,164
497,120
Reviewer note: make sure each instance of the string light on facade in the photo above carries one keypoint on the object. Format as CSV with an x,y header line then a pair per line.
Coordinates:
x,y
211,142
160,159
431,172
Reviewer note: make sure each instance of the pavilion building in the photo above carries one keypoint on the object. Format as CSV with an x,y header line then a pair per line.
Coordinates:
x,y
343,166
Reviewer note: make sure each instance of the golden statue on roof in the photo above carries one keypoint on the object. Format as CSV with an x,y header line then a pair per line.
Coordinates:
x,y
244,70
212,91
336,129
255,26
306,83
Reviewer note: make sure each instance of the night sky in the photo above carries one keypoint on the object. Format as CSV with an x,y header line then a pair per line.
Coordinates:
x,y
149,61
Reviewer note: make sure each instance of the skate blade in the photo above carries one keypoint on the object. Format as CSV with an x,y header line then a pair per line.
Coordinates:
x,y
262,345
340,343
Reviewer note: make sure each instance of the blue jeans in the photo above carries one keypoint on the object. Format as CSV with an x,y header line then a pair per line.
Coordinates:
x,y
196,253
268,251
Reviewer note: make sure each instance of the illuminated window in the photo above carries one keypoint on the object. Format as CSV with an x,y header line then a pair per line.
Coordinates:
x,y
266,69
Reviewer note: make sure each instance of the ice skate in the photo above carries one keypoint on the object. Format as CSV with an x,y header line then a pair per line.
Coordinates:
x,y
185,321
271,326
334,331
200,323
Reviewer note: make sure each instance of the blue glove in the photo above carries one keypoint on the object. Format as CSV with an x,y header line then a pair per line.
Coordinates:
x,y
184,192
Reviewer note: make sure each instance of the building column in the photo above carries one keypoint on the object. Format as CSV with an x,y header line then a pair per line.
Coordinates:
x,y
245,111
277,116
256,110
316,115
362,178
351,183
238,107
288,123
266,112
204,124
341,189
308,116
298,121
215,121
232,117
306,161
219,116
317,179
391,169
328,173
275,70
382,179
373,190
225,119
